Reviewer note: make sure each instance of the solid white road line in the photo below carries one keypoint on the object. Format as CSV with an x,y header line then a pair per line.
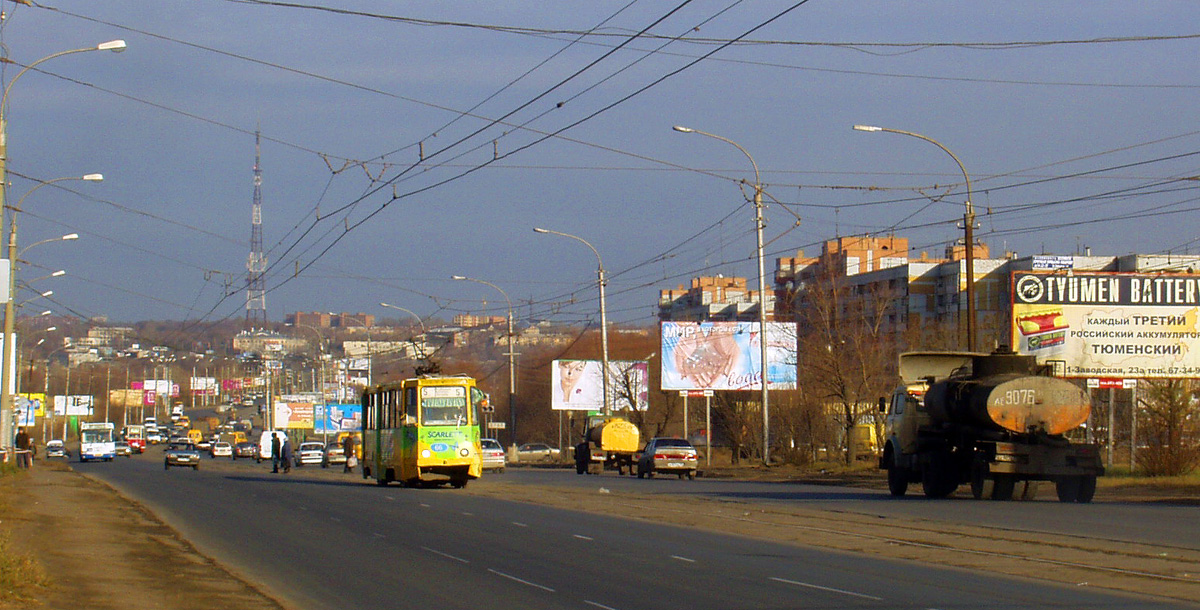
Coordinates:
x,y
829,589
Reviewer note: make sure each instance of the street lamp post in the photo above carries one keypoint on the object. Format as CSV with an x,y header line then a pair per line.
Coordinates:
x,y
512,375
968,226
602,282
759,223
10,317
6,397
419,321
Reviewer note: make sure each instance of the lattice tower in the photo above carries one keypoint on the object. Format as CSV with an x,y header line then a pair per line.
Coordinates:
x,y
256,295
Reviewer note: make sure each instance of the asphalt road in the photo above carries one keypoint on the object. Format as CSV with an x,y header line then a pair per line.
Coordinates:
x,y
323,540
1165,525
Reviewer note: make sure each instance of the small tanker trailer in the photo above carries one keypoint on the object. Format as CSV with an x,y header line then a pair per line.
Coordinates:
x,y
609,443
996,421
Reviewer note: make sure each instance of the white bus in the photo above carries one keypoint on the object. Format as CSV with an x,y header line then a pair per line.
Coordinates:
x,y
96,441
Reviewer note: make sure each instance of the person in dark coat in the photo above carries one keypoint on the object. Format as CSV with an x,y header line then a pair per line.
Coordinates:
x,y
285,455
348,451
275,452
24,452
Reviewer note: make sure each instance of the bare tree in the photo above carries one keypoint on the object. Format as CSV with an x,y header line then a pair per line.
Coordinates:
x,y
847,353
1172,427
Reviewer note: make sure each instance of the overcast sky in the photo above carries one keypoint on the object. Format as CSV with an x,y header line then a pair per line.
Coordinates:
x,y
1075,120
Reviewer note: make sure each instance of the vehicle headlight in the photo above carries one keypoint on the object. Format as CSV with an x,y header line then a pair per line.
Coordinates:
x,y
426,453
465,451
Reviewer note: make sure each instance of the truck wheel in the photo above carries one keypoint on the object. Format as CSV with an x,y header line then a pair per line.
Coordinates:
x,y
1067,489
1003,488
897,480
981,486
1029,491
1087,489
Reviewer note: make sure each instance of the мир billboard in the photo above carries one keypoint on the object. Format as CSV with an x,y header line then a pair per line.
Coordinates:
x,y
727,356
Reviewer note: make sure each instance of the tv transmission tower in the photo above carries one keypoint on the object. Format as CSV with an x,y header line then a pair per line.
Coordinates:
x,y
256,294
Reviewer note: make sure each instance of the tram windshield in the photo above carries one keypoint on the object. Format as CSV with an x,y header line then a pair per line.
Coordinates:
x,y
444,406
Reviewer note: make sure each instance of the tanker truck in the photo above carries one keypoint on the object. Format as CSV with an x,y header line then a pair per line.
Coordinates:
x,y
994,421
608,443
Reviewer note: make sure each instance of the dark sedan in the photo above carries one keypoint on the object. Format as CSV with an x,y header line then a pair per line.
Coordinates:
x,y
181,454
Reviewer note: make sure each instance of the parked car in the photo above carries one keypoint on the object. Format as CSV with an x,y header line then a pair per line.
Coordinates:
x,y
244,450
668,455
221,449
310,452
123,448
334,454
181,454
536,452
493,455
55,448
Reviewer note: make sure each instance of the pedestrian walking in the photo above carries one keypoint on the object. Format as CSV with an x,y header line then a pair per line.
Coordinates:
x,y
275,452
24,452
285,455
348,451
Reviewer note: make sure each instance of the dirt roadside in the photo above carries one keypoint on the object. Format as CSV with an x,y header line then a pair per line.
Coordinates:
x,y
100,548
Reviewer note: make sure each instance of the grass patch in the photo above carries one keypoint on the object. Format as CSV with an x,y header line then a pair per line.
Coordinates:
x,y
21,576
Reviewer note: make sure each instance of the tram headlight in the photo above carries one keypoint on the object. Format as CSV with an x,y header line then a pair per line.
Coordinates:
x,y
426,453
464,451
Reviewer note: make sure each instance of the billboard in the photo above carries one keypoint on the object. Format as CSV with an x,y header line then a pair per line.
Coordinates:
x,y
337,417
579,384
1109,324
75,404
289,415
726,356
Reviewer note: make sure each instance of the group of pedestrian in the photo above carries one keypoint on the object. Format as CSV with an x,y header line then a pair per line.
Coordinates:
x,y
281,453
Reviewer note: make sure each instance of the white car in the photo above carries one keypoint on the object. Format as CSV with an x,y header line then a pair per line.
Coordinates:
x,y
493,455
310,452
221,449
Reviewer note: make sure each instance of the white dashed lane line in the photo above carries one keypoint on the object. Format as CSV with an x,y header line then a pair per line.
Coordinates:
x,y
683,559
521,580
519,524
446,555
582,537
829,589
598,605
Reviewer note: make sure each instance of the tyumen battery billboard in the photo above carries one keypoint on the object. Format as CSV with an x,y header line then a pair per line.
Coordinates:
x,y
1109,324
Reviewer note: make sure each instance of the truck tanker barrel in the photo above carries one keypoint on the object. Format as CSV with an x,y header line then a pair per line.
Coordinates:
x,y
614,435
1004,393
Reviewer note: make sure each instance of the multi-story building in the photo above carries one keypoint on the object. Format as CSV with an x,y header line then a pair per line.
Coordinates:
x,y
716,298
329,320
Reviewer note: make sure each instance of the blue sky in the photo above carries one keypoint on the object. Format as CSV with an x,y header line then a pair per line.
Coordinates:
x,y
1084,137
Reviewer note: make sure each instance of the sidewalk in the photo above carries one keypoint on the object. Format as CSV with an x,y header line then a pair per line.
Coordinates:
x,y
105,552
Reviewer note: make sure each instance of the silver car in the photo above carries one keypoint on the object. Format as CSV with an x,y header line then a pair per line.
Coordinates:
x,y
181,454
493,455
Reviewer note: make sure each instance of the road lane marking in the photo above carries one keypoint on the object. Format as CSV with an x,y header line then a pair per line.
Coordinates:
x,y
423,505
389,498
379,535
519,524
683,559
468,514
598,605
446,555
829,589
520,580
335,519
582,537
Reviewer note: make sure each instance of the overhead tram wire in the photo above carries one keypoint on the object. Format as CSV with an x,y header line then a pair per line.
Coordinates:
x,y
349,206
548,136
990,45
